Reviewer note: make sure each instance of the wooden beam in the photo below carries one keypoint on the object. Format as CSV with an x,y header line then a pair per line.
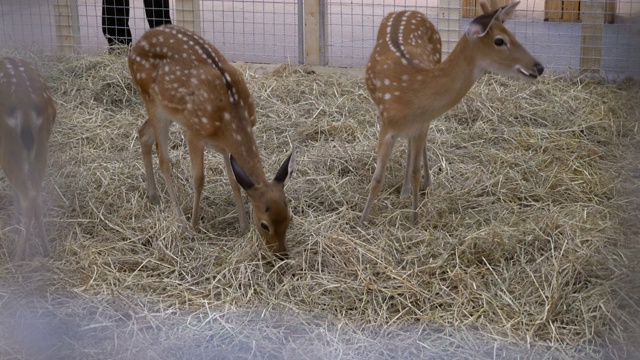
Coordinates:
x,y
67,23
571,10
188,14
468,8
593,14
314,40
610,11
449,24
553,10
471,8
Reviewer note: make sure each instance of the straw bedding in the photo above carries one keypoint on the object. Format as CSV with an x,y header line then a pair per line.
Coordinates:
x,y
524,247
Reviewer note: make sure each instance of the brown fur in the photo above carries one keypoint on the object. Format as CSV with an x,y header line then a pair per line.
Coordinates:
x,y
411,87
27,114
184,79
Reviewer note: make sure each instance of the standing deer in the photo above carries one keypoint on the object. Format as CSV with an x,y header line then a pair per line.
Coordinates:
x,y
411,87
184,79
27,114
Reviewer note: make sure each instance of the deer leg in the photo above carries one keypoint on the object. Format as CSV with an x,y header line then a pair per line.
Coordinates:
x,y
39,223
416,161
21,245
196,153
417,151
147,139
427,171
385,147
161,130
26,182
237,195
411,159
40,165
17,208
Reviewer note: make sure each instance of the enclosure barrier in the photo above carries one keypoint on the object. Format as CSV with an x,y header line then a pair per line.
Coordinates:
x,y
596,36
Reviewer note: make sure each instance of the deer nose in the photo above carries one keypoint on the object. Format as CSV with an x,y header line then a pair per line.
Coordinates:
x,y
539,68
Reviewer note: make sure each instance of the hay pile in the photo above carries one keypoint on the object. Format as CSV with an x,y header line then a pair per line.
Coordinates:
x,y
521,248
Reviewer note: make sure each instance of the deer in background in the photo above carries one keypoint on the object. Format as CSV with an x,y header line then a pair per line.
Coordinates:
x,y
410,86
27,114
184,79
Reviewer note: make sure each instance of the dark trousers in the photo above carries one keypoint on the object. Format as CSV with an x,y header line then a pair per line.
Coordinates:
x,y
115,19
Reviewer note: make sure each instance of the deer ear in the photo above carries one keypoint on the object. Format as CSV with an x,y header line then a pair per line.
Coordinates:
x,y
286,169
507,11
481,24
485,7
475,30
241,177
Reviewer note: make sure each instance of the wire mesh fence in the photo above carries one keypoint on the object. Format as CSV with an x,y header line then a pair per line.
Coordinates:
x,y
594,35
589,35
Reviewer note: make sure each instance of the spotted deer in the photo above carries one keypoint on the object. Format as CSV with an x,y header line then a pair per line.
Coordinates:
x,y
410,86
184,79
27,114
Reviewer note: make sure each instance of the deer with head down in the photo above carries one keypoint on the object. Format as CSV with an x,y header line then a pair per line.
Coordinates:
x,y
184,79
411,86
27,114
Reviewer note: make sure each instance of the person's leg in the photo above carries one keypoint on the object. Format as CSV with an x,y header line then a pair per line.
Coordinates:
x,y
115,22
157,12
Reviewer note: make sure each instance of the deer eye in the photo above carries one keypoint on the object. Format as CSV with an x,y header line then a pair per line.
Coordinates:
x,y
499,42
264,226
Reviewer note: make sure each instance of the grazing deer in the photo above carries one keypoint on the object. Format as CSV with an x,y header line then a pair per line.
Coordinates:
x,y
184,79
411,87
27,114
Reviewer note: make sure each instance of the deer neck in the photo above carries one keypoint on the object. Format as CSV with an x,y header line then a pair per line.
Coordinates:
x,y
245,151
449,81
463,58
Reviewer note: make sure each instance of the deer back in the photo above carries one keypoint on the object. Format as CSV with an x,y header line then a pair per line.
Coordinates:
x,y
184,77
407,43
409,82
